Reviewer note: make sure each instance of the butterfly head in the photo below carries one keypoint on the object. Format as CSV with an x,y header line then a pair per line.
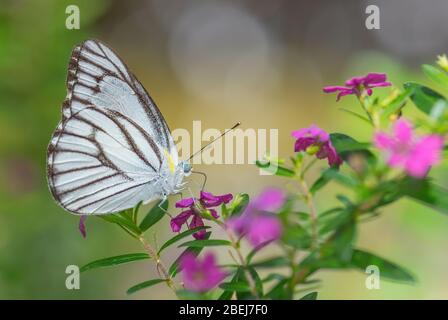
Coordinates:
x,y
186,168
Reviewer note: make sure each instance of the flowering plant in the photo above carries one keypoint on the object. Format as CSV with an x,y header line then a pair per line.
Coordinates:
x,y
394,164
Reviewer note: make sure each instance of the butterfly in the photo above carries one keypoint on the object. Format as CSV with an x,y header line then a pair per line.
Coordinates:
x,y
113,148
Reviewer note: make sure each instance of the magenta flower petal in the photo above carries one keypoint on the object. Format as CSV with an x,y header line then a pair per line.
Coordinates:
x,y
197,222
315,136
201,276
264,229
214,213
382,141
209,200
271,199
82,225
185,203
303,143
358,85
416,155
403,131
331,89
177,222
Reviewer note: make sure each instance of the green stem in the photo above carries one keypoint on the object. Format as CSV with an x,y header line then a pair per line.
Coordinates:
x,y
242,260
160,265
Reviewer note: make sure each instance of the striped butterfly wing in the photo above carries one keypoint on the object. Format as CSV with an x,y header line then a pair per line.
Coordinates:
x,y
106,152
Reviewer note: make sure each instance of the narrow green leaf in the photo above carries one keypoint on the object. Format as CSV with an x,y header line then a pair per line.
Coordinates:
x,y
144,285
354,153
272,263
423,97
279,292
297,236
154,215
228,293
175,268
205,243
122,221
181,236
322,181
435,74
310,296
238,204
426,192
257,279
343,143
235,286
396,105
113,261
275,169
388,270
357,115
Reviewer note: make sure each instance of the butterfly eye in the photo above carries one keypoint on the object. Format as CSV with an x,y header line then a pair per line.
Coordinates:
x,y
186,167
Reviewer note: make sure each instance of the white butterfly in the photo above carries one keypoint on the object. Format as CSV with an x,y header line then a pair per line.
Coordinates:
x,y
112,148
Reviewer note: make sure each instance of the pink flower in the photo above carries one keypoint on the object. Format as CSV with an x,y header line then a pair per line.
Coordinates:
x,y
201,276
256,224
316,137
196,209
404,150
82,225
359,85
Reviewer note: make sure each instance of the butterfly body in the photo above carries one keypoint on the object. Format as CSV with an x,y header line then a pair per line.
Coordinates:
x,y
112,148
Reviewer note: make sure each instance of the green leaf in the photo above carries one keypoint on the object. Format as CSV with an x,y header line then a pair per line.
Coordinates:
x,y
144,285
321,181
310,296
235,286
395,105
426,192
154,215
257,279
175,268
337,250
351,151
238,204
330,222
122,221
297,236
333,174
272,263
258,284
228,293
388,270
205,243
435,74
275,169
357,115
344,143
113,261
423,97
279,292
181,236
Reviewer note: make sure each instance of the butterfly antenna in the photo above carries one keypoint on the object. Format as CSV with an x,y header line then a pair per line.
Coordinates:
x,y
211,142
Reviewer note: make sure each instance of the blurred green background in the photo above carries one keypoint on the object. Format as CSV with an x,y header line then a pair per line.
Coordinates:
x,y
259,62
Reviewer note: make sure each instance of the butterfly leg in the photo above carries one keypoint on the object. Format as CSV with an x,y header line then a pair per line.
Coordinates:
x,y
162,208
205,178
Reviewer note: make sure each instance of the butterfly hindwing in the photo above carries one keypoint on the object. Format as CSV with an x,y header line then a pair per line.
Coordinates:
x,y
108,148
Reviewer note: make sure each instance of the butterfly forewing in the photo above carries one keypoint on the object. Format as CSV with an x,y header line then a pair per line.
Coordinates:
x,y
108,148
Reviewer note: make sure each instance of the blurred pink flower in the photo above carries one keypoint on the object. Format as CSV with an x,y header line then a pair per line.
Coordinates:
x,y
357,85
195,207
255,223
315,136
201,276
404,150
